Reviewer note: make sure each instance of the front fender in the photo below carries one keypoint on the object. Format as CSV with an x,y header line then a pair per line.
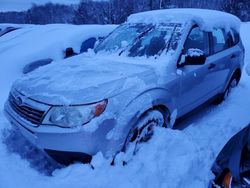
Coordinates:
x,y
152,98
135,108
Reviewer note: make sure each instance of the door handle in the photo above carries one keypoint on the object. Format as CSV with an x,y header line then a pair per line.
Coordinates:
x,y
233,56
211,66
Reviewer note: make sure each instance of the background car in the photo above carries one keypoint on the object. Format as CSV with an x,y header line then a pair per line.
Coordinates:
x,y
8,27
7,30
232,166
31,46
38,45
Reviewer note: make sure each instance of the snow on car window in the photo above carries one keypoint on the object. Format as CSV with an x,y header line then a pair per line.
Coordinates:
x,y
219,40
154,41
122,37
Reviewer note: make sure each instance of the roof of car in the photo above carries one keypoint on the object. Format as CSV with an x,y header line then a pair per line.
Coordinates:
x,y
207,19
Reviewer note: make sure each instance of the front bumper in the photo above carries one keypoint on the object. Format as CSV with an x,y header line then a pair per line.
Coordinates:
x,y
67,158
52,138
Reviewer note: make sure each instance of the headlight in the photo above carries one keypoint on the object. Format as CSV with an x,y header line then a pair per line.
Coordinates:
x,y
72,116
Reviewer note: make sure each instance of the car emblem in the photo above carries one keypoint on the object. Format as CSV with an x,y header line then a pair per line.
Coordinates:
x,y
19,101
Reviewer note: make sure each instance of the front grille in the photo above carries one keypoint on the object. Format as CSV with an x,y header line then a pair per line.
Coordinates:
x,y
33,115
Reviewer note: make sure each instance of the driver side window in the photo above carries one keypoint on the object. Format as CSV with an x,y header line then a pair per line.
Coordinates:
x,y
197,39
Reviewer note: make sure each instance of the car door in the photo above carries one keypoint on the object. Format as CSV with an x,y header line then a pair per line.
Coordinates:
x,y
221,57
195,84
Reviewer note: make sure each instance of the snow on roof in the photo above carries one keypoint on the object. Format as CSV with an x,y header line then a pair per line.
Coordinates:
x,y
206,19
48,41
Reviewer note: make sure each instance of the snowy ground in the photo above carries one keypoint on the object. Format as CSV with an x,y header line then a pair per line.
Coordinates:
x,y
172,159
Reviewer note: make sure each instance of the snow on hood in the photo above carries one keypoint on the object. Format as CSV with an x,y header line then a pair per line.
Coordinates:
x,y
206,19
80,80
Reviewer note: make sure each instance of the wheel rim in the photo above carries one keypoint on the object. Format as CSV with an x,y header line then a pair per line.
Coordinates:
x,y
143,132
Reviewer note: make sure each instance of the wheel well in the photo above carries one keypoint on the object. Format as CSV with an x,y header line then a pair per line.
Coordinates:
x,y
163,109
220,179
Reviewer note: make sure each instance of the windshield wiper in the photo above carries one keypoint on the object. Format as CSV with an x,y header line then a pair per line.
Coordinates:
x,y
137,39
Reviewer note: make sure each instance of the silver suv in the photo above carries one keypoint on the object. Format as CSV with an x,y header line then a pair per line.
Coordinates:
x,y
151,70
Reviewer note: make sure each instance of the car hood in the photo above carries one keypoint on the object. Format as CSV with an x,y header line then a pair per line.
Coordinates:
x,y
82,80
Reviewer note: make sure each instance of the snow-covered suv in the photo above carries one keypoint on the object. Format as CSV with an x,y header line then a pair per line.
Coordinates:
x,y
151,70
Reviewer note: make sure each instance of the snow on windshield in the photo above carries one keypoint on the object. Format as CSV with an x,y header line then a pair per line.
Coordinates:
x,y
122,37
154,41
142,39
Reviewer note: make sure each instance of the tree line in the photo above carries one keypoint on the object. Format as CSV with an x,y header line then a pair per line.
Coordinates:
x,y
115,11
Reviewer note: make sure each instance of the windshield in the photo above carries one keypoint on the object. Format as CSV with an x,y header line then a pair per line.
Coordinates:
x,y
153,42
122,37
141,39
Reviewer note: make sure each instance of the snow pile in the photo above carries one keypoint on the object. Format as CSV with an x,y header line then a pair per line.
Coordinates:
x,y
206,19
172,159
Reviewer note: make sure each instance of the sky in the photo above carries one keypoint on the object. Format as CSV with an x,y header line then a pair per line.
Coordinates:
x,y
20,5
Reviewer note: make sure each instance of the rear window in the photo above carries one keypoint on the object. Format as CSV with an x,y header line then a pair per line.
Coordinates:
x,y
219,41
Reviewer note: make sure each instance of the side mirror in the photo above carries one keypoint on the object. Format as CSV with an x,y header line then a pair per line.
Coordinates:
x,y
193,57
69,52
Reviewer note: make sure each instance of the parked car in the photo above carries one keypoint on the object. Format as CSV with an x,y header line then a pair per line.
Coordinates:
x,y
6,30
151,70
232,166
39,45
87,44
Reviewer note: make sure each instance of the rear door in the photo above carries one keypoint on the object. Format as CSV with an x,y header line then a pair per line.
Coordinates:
x,y
221,56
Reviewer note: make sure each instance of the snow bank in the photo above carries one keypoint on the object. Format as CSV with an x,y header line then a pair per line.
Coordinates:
x,y
206,19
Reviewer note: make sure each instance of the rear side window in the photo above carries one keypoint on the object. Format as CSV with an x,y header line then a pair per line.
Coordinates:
x,y
219,41
229,40
236,37
88,44
197,39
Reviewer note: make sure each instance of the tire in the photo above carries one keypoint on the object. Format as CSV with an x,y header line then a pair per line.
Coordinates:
x,y
231,85
143,131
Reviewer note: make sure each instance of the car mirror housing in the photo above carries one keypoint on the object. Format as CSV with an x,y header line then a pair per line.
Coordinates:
x,y
193,57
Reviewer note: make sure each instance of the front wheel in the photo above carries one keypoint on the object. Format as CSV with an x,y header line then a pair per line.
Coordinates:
x,y
143,131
